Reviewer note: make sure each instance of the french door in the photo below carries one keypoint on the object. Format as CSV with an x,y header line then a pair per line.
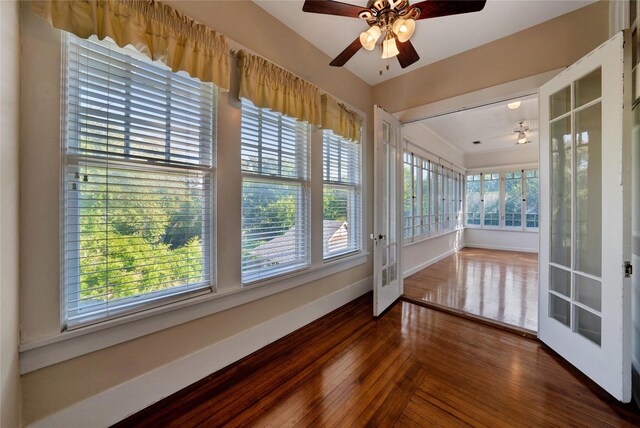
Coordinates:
x,y
387,225
584,309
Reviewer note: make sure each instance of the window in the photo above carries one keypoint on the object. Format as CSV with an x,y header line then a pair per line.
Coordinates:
x,y
503,200
531,198
513,199
491,199
341,219
474,199
139,171
432,198
275,203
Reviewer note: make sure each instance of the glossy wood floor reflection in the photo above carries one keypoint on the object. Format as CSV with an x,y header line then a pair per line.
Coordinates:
x,y
498,285
412,367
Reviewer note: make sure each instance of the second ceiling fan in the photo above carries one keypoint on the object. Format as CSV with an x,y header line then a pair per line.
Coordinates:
x,y
391,20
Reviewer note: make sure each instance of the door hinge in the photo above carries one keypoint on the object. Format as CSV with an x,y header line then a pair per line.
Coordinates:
x,y
628,269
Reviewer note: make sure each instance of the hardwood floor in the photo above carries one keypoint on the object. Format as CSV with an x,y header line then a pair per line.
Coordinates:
x,y
498,285
411,367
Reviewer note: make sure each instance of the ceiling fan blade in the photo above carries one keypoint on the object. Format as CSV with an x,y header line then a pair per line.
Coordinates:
x,y
329,7
407,55
346,54
436,8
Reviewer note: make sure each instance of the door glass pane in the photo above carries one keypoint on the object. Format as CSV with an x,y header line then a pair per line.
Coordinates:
x,y
588,292
588,212
408,196
561,192
559,309
391,202
588,325
492,199
560,102
560,281
384,177
532,198
417,196
392,273
513,199
588,88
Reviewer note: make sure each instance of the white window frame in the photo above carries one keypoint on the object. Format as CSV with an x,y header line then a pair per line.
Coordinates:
x,y
502,200
55,345
356,229
71,162
303,210
438,176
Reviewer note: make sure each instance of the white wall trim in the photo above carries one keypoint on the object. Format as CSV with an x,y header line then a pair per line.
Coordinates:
x,y
115,404
429,262
503,168
503,92
502,248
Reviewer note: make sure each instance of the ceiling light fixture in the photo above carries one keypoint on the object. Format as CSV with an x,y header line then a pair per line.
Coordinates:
x,y
389,19
522,138
389,48
395,19
521,130
512,106
370,37
404,28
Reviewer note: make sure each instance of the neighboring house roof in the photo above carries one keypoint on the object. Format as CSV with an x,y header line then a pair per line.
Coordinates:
x,y
281,249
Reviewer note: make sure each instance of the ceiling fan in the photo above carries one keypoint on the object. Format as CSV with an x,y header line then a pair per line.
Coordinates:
x,y
395,18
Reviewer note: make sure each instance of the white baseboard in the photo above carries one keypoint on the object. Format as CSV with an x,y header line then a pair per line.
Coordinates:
x,y
428,263
502,248
115,404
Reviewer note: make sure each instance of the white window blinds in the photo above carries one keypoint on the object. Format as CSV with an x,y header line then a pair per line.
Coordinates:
x,y
138,182
275,212
432,198
342,205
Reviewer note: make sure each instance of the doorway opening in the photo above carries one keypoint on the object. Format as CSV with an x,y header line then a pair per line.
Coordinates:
x,y
470,212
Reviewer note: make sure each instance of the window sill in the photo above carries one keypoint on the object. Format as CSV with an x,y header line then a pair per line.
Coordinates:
x,y
420,239
497,229
70,344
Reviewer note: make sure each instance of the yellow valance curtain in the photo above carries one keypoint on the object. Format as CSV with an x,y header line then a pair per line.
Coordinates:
x,y
268,86
341,120
156,30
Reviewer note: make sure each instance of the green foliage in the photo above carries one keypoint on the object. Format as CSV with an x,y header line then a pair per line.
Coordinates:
x,y
335,203
138,233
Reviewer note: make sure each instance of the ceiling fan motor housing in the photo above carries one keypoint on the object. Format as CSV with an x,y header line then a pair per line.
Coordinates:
x,y
383,13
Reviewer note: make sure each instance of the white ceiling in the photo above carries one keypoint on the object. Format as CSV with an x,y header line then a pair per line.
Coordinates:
x,y
434,39
492,125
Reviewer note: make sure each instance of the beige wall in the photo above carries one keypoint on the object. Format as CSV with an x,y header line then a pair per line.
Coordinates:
x,y
501,159
547,46
9,204
50,389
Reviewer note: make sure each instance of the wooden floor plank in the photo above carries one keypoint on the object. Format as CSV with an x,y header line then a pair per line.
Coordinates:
x,y
496,285
411,367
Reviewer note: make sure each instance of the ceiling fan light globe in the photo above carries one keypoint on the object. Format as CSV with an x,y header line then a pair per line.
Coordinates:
x,y
522,138
369,38
389,48
404,28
